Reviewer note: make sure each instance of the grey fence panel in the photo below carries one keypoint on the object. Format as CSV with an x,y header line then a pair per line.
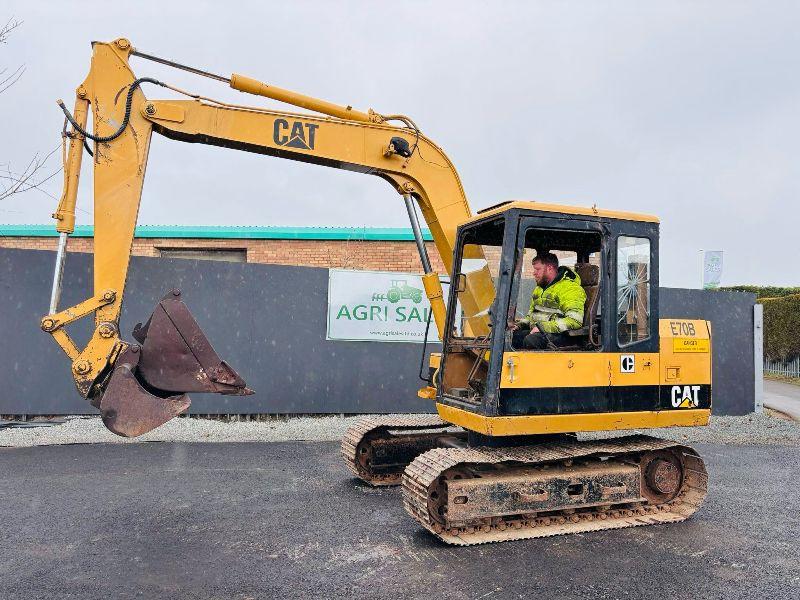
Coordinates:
x,y
269,323
35,374
731,316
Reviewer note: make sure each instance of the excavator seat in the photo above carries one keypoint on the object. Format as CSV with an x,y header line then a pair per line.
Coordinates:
x,y
149,381
590,281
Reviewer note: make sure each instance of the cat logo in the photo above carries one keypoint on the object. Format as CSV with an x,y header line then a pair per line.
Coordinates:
x,y
685,396
300,135
627,363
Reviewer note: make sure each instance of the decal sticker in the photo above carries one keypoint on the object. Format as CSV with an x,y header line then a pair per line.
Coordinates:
x,y
685,396
684,328
627,363
683,344
298,135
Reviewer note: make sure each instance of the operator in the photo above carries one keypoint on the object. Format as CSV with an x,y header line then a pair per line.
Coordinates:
x,y
557,306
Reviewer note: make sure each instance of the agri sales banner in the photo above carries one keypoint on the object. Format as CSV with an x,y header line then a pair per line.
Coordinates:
x,y
378,306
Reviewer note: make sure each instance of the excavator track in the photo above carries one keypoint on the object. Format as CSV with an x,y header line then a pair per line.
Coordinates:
x,y
476,495
377,449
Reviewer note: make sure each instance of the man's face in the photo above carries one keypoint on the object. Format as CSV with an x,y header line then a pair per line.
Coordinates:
x,y
542,273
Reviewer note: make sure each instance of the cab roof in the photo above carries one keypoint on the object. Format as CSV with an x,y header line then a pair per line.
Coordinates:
x,y
562,209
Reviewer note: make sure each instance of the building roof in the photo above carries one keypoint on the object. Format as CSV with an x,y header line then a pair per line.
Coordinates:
x,y
232,232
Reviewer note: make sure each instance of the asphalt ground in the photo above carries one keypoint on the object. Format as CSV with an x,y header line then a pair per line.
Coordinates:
x,y
285,520
783,397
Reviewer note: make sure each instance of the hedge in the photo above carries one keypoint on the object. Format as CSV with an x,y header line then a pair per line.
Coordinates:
x,y
781,327
763,291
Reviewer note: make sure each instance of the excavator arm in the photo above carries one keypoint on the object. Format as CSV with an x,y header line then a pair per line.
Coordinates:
x,y
140,386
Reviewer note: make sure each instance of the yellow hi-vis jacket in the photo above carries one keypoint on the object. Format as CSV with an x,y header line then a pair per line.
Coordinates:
x,y
559,306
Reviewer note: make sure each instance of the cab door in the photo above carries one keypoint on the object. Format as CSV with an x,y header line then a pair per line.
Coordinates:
x,y
634,373
566,380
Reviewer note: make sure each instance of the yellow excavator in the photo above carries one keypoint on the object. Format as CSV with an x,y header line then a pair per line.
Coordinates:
x,y
511,453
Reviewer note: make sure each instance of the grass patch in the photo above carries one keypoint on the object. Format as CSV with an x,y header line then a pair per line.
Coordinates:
x,y
783,378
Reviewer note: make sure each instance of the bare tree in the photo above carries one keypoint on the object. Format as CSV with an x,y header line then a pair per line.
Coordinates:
x,y
34,174
30,178
8,80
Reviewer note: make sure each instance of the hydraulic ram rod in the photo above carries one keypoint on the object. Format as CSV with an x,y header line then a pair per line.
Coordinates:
x,y
412,216
55,293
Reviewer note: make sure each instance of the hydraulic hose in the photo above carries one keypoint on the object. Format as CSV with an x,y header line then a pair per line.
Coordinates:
x,y
125,120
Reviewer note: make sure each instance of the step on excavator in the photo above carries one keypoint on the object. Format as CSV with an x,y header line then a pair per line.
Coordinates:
x,y
516,448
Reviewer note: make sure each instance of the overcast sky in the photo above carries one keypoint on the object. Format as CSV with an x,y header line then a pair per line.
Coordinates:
x,y
687,110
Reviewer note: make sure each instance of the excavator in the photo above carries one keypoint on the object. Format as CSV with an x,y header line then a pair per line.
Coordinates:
x,y
515,449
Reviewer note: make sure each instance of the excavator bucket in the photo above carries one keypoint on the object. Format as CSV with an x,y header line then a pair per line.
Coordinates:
x,y
149,381
177,356
127,408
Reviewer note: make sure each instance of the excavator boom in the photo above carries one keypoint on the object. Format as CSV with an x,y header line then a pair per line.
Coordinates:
x,y
173,356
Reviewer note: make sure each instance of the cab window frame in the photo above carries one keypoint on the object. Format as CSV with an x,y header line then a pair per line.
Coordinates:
x,y
648,328
635,229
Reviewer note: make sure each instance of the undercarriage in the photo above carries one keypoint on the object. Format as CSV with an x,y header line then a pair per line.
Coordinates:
x,y
378,449
467,494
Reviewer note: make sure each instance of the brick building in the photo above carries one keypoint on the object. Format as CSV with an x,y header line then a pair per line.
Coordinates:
x,y
378,249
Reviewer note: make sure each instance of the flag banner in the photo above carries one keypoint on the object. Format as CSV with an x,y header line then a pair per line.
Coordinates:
x,y
712,269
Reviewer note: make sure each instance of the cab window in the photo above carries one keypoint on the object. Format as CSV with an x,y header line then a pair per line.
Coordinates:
x,y
578,251
633,290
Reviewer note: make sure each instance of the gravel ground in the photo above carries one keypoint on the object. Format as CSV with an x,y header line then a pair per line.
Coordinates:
x,y
754,429
89,430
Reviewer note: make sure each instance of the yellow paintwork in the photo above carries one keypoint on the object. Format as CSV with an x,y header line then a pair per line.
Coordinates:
x,y
590,369
55,323
258,88
538,424
566,210
65,212
435,294
65,342
358,143
533,369
166,111
348,139
427,393
682,367
73,313
545,369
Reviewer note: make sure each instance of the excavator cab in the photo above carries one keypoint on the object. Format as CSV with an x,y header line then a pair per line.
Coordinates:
x,y
506,244
504,458
612,363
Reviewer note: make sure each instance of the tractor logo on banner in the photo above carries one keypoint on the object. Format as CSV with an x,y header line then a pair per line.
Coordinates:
x,y
399,290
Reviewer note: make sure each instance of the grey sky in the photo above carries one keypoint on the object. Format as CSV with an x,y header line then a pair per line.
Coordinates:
x,y
687,110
